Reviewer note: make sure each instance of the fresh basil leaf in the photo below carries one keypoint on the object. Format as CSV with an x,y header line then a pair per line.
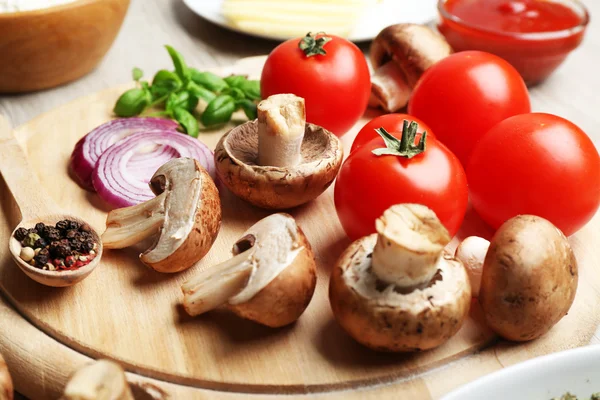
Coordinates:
x,y
183,99
137,74
249,108
200,92
187,121
251,89
132,102
218,111
208,80
236,93
181,68
235,81
164,83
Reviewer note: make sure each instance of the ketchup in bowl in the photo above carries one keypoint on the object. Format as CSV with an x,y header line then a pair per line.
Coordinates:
x,y
535,36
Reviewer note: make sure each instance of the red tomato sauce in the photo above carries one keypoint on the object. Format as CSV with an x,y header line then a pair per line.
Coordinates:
x,y
535,36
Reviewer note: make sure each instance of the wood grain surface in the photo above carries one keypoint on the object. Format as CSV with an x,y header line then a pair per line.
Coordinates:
x,y
133,315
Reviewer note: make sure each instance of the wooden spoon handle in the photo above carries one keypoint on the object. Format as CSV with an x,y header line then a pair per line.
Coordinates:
x,y
20,177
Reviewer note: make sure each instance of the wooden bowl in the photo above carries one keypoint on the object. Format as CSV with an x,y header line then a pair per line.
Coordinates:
x,y
41,49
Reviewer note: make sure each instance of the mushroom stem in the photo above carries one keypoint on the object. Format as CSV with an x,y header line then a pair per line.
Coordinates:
x,y
471,252
410,242
102,380
389,89
130,225
281,125
216,285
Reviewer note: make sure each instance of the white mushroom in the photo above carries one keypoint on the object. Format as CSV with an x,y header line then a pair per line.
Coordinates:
x,y
101,380
270,279
394,290
400,54
471,252
278,161
185,215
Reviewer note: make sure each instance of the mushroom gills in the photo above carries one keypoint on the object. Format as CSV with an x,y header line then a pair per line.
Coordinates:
x,y
281,125
101,380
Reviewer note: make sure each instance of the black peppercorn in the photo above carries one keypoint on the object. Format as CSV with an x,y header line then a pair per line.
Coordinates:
x,y
76,245
71,234
87,246
41,260
62,225
20,234
32,231
40,227
60,249
40,243
73,224
85,228
51,234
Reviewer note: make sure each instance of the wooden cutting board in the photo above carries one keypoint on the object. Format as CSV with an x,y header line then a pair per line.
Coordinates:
x,y
128,313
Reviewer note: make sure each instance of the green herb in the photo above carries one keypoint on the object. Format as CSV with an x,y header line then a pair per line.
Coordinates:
x,y
180,90
132,102
219,110
137,74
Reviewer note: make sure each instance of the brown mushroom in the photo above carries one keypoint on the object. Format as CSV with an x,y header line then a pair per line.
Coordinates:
x,y
278,161
185,215
471,252
400,54
270,279
6,384
396,290
101,380
529,278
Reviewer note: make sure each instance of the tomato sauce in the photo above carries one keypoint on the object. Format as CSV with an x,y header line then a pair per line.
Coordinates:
x,y
533,35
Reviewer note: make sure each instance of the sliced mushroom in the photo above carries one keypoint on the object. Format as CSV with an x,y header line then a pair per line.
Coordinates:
x,y
6,384
278,161
101,380
400,54
185,215
471,252
270,279
395,290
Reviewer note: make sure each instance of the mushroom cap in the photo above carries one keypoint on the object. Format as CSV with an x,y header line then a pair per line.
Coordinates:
x,y
529,278
414,48
200,236
285,298
383,318
277,188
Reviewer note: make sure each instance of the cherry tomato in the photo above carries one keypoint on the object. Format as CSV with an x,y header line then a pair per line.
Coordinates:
x,y
464,95
537,164
390,122
369,184
335,86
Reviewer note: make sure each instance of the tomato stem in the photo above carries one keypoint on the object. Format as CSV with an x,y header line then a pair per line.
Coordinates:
x,y
405,147
312,46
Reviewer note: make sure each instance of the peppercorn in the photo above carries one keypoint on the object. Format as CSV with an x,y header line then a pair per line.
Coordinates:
x,y
41,259
40,227
76,245
30,240
85,228
32,230
40,243
69,261
87,246
74,224
51,233
60,249
20,234
62,225
72,234
59,262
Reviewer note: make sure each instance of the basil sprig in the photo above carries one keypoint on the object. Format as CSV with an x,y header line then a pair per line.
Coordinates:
x,y
180,90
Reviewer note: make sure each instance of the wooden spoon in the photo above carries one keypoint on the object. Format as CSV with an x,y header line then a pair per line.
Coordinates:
x,y
36,206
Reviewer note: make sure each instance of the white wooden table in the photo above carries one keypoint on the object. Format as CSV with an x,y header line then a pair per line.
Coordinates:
x,y
572,92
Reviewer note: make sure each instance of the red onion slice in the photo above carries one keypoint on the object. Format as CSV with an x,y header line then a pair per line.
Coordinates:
x,y
121,178
89,148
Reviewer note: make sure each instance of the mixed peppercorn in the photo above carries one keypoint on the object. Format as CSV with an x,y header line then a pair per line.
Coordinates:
x,y
66,246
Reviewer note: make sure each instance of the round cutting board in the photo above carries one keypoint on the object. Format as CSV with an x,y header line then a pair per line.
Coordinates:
x,y
131,314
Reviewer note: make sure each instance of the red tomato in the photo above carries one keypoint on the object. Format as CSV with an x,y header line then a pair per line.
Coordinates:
x,y
368,185
336,86
464,95
536,164
392,123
